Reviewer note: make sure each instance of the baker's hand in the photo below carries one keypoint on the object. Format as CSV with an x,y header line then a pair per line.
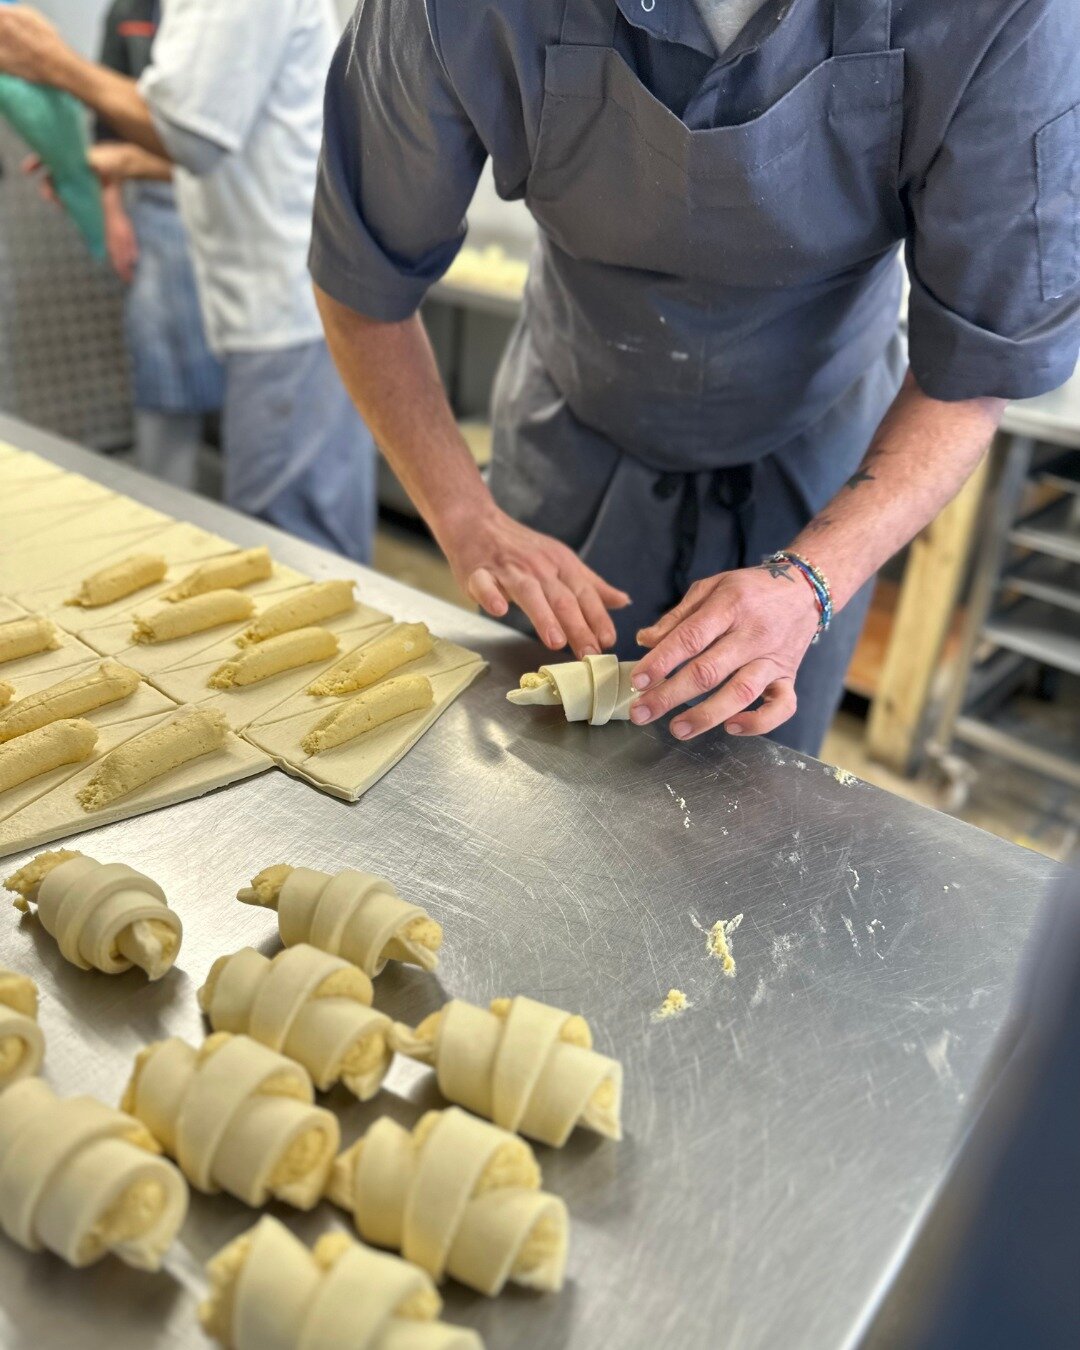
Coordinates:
x,y
30,45
34,168
746,631
498,562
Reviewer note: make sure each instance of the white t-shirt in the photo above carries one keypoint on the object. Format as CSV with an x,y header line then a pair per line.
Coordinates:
x,y
235,88
725,19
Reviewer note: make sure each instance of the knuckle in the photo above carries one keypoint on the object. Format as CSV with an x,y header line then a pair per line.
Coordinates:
x,y
742,690
705,674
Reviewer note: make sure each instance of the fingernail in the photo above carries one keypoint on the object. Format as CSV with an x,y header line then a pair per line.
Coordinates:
x,y
680,729
734,730
639,714
556,639
640,681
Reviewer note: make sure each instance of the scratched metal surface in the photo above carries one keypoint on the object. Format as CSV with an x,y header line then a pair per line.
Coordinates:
x,y
783,1134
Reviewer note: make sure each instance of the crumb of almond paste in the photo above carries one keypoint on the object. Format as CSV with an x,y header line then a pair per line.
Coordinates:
x,y
843,776
674,1005
717,943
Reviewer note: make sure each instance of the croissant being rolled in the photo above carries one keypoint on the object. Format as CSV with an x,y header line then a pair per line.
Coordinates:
x,y
311,1006
104,916
270,1292
351,914
237,1117
596,690
524,1065
456,1197
22,1045
81,1179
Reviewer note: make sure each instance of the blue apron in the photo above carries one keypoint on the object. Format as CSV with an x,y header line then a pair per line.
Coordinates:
x,y
173,368
610,407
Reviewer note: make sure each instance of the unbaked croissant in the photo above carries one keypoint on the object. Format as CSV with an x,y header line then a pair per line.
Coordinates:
x,y
457,1197
307,1004
596,690
81,1179
22,1045
104,916
270,1292
524,1065
237,1117
351,914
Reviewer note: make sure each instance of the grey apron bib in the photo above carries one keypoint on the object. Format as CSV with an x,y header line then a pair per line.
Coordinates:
x,y
609,409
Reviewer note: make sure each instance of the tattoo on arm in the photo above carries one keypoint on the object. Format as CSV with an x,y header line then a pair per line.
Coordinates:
x,y
817,524
860,476
778,569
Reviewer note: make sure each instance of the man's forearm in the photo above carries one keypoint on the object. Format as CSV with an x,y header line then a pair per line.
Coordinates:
x,y
389,369
114,97
922,455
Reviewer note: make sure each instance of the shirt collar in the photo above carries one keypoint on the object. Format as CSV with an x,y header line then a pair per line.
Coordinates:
x,y
680,21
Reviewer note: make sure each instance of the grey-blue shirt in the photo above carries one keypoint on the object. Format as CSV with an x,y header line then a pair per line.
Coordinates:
x,y
983,184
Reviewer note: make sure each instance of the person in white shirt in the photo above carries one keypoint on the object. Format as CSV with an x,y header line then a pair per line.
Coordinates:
x,y
231,108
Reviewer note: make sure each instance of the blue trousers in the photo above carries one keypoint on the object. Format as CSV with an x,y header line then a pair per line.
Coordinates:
x,y
297,453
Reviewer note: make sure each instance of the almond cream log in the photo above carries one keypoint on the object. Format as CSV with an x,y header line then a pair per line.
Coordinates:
x,y
352,914
191,733
306,1004
457,1197
394,698
104,916
300,609
196,615
226,573
363,668
7,693
270,1292
120,580
109,682
22,1045
237,1117
48,748
287,651
82,1180
528,1067
27,637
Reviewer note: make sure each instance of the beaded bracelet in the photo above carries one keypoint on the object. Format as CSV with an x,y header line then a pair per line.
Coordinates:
x,y
817,581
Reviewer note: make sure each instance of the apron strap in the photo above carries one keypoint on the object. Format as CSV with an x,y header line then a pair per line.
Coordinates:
x,y
589,23
860,26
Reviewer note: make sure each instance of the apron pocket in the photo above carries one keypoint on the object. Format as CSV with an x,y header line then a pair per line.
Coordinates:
x,y
1057,208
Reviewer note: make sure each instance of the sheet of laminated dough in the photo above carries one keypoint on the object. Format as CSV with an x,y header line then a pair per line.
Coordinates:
x,y
182,545
22,466
144,702
39,562
63,495
350,769
114,638
53,812
61,522
247,704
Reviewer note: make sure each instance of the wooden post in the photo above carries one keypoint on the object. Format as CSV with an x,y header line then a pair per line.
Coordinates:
x,y
932,580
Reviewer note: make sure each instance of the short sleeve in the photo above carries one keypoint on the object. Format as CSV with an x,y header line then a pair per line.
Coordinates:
x,y
399,165
994,241
213,65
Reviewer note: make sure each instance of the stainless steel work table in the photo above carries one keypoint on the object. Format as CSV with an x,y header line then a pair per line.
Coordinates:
x,y
783,1136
